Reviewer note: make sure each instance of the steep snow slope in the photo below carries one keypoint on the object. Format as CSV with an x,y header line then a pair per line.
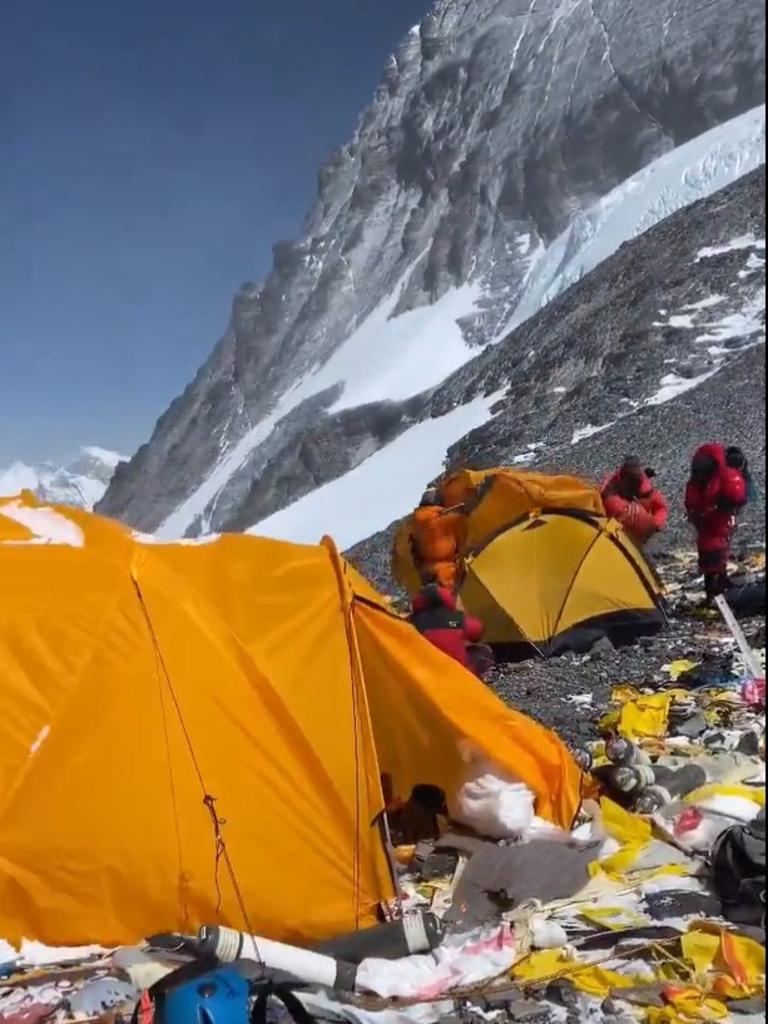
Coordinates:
x,y
689,172
381,488
700,167
657,321
392,358
81,482
497,123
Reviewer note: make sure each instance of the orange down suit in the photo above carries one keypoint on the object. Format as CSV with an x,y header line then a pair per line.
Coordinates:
x,y
437,542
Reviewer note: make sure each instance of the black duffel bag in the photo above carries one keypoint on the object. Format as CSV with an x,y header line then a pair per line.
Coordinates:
x,y
738,872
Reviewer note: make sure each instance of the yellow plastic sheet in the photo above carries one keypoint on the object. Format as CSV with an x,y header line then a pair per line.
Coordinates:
x,y
626,828
688,1004
732,966
592,980
622,825
757,796
679,668
614,918
645,717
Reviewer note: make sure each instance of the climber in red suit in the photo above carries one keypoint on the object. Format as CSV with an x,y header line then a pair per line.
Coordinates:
x,y
717,491
630,496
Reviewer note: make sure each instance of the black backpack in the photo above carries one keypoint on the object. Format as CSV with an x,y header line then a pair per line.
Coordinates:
x,y
738,872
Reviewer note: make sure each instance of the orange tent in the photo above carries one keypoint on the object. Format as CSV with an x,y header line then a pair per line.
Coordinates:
x,y
183,722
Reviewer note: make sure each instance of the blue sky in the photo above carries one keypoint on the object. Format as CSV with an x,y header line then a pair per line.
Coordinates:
x,y
151,152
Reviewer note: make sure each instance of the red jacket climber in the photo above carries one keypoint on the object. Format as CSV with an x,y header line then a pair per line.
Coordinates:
x,y
436,617
630,496
716,492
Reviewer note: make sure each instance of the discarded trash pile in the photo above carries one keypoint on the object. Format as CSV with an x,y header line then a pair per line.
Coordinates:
x,y
651,909
656,917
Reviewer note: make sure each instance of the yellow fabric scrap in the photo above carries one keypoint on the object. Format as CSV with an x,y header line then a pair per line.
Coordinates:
x,y
614,918
626,828
679,668
609,722
595,981
646,717
622,825
732,966
752,793
623,694
689,1004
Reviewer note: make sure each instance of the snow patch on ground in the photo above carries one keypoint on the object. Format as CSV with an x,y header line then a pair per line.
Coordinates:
x,y
755,264
675,180
672,385
681,320
589,431
36,954
581,700
45,524
747,322
381,489
708,303
735,245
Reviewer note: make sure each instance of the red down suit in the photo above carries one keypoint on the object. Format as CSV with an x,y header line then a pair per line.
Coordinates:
x,y
715,493
437,618
642,513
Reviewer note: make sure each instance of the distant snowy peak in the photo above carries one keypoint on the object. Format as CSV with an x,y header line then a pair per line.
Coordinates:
x,y
80,483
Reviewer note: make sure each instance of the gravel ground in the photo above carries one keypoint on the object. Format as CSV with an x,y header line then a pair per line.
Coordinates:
x,y
730,405
545,690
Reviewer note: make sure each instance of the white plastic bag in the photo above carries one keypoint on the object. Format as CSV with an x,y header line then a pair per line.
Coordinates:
x,y
489,801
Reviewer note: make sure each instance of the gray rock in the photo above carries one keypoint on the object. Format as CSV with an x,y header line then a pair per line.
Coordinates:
x,y
601,649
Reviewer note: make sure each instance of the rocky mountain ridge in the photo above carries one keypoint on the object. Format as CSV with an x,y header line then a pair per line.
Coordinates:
x,y
670,353
498,123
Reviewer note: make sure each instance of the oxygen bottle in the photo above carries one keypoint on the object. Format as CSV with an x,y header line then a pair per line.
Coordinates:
x,y
670,784
332,964
625,753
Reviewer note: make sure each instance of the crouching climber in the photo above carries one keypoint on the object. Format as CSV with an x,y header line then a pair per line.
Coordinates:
x,y
630,496
436,616
437,540
717,490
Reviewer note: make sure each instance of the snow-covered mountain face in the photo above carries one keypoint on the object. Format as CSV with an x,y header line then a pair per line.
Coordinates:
x,y
512,146
81,483
660,348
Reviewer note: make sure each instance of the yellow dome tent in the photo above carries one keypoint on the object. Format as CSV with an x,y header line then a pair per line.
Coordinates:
x,y
196,733
493,499
560,580
543,567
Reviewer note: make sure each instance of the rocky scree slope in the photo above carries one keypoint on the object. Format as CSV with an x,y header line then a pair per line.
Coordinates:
x,y
497,121
660,348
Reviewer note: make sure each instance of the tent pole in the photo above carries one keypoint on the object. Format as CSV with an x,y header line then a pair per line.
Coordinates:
x,y
386,838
